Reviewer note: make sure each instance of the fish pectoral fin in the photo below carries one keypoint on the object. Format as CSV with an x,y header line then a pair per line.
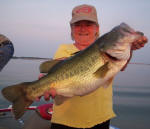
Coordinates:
x,y
102,71
47,65
59,99
17,95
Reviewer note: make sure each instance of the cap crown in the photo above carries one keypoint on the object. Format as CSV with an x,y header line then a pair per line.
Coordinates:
x,y
84,12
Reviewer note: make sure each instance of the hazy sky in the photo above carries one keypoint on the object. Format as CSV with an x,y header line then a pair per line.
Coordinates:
x,y
38,27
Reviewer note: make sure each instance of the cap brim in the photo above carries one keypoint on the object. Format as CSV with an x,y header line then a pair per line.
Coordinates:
x,y
83,18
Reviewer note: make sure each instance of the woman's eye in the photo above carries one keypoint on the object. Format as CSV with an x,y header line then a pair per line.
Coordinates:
x,y
77,24
88,25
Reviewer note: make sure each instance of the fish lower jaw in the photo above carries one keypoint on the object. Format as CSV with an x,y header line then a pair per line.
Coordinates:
x,y
119,54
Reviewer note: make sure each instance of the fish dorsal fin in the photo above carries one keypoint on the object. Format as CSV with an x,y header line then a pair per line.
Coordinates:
x,y
101,72
72,54
47,65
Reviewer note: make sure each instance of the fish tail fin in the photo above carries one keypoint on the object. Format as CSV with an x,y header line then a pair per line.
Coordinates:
x,y
17,95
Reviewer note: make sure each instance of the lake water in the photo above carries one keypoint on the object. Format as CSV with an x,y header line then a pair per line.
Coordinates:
x,y
131,91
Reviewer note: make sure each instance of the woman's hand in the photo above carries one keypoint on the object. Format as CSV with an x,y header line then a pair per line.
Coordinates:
x,y
136,45
139,43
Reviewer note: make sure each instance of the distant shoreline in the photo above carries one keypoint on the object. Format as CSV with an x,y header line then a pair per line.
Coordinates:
x,y
31,58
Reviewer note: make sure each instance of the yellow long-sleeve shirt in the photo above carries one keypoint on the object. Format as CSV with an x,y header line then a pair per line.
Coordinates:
x,y
86,111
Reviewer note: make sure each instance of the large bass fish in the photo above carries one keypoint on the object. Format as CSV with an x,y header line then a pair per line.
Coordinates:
x,y
80,74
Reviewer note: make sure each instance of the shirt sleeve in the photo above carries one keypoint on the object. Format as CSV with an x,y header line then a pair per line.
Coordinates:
x,y
62,52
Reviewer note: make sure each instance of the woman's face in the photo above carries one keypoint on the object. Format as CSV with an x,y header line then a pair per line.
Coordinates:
x,y
84,32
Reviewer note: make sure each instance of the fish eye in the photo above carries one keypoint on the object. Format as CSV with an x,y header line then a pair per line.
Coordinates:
x,y
141,33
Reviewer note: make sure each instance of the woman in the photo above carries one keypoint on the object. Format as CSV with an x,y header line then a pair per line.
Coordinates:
x,y
95,109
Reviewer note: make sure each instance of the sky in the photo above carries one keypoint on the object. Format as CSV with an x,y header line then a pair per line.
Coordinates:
x,y
38,27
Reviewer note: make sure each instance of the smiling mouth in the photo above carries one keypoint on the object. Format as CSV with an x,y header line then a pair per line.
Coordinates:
x,y
83,34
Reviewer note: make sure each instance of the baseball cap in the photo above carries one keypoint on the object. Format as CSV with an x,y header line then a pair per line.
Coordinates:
x,y
84,12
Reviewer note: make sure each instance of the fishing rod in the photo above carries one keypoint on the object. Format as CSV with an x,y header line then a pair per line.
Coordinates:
x,y
138,63
44,110
10,108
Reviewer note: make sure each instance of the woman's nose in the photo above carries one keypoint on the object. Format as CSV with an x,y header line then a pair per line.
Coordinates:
x,y
83,28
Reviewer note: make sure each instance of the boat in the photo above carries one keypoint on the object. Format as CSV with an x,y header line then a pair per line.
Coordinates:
x,y
44,110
